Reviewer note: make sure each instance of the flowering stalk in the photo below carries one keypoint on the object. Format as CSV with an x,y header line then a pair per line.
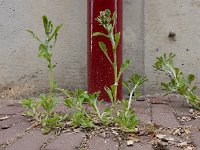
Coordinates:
x,y
108,22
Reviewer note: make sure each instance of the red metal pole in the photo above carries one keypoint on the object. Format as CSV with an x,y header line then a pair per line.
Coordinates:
x,y
100,71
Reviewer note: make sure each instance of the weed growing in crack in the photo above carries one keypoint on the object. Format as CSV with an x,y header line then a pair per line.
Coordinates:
x,y
47,118
85,108
178,82
133,86
45,48
82,116
75,101
125,118
108,21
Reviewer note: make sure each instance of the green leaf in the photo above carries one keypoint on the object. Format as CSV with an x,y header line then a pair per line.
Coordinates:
x,y
43,52
55,33
34,35
55,85
171,56
107,111
69,103
110,28
181,80
117,39
45,23
102,45
127,121
27,103
123,67
177,71
126,85
194,88
66,92
191,78
54,66
166,86
114,17
106,116
45,130
79,119
50,27
109,92
182,90
137,93
99,34
48,103
124,104
28,114
108,12
173,82
114,88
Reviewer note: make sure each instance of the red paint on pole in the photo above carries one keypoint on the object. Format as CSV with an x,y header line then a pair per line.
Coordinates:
x,y
100,71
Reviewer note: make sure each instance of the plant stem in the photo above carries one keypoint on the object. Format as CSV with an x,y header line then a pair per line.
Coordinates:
x,y
51,78
130,99
131,96
82,110
116,81
98,112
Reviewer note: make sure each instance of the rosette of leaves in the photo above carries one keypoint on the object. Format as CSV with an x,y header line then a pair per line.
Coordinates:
x,y
82,116
43,112
178,82
126,118
76,101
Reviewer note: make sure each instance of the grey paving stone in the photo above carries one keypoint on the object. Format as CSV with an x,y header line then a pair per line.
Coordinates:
x,y
138,146
180,105
142,109
10,110
195,137
13,132
99,143
195,123
31,141
13,120
158,99
163,115
174,148
66,141
61,108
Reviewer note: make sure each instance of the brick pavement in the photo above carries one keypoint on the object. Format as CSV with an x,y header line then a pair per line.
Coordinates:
x,y
168,116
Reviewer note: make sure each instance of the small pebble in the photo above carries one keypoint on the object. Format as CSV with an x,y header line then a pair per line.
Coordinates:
x,y
130,143
170,139
5,127
183,144
160,136
191,111
189,148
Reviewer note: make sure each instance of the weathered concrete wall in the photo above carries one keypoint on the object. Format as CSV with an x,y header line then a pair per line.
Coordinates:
x,y
133,46
147,24
18,51
18,59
